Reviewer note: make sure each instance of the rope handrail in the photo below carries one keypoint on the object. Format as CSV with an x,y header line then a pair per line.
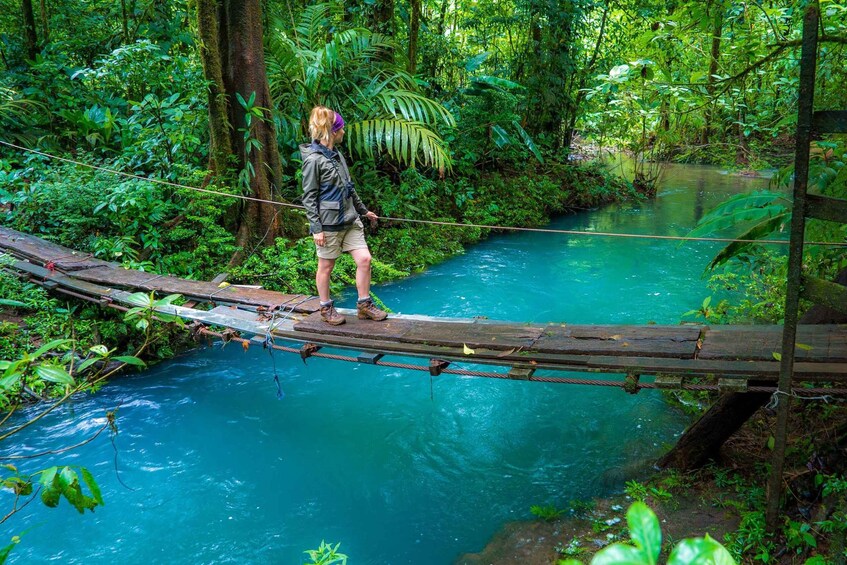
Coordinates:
x,y
429,222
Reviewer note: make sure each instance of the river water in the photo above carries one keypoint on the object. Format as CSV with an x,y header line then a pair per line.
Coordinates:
x,y
210,467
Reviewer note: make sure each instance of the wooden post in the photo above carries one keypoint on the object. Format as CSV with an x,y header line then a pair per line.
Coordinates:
x,y
808,58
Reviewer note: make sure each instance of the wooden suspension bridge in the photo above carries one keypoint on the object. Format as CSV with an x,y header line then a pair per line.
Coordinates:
x,y
734,355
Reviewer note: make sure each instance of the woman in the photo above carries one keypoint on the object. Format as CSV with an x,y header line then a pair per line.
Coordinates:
x,y
333,209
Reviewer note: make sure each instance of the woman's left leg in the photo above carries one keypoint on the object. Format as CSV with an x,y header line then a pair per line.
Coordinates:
x,y
362,258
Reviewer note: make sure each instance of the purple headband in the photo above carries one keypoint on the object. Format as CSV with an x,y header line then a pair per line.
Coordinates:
x,y
338,124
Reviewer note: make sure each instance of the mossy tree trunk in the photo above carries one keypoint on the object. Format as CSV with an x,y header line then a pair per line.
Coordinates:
x,y
414,28
233,58
30,34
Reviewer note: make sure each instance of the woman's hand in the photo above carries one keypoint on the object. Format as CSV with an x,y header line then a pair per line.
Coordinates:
x,y
320,239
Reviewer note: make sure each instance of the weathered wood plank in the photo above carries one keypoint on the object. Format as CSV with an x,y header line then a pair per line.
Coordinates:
x,y
201,290
649,341
627,333
44,252
494,336
818,343
392,328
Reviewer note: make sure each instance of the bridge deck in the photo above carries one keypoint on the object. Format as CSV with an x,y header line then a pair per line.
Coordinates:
x,y
743,352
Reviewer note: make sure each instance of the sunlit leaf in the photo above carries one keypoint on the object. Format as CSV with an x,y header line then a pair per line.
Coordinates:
x,y
700,550
54,374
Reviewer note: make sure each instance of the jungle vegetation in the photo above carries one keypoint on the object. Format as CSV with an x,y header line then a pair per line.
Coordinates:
x,y
489,112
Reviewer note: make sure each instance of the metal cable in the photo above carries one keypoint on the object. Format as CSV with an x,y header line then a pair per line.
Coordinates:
x,y
431,222
799,392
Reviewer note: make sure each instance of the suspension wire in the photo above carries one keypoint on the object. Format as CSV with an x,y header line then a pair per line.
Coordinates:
x,y
826,394
429,222
269,344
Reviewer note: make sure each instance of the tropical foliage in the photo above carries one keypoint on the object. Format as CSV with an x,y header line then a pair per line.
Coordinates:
x,y
352,71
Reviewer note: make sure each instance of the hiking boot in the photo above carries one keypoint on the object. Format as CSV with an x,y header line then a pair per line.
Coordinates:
x,y
367,310
331,316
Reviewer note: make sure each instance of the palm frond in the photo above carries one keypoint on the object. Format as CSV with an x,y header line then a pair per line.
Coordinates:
x,y
13,108
363,45
408,142
759,231
743,210
312,28
413,107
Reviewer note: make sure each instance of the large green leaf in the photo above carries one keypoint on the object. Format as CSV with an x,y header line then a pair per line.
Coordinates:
x,y
92,485
700,551
620,554
499,136
48,346
130,360
474,62
141,299
527,140
54,374
645,530
759,231
494,83
740,209
312,28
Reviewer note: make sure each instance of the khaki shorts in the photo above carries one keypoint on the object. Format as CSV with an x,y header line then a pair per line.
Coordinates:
x,y
338,242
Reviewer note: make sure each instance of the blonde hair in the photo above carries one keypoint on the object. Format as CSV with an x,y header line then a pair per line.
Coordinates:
x,y
320,123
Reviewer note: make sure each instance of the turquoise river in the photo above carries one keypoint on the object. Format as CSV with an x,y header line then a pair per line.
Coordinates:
x,y
210,467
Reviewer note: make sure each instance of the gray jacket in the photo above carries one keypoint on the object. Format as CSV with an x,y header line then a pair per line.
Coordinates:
x,y
329,194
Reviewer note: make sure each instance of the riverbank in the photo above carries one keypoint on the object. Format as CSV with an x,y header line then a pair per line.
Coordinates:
x,y
724,500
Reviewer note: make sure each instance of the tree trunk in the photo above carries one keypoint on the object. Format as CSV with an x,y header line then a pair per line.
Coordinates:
x,y
234,64
714,58
414,28
220,142
382,19
703,440
45,29
29,29
124,22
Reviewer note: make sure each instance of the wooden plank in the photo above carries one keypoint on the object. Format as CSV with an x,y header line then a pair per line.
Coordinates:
x,y
647,341
65,281
759,343
829,121
389,329
497,336
629,333
41,251
201,290
826,208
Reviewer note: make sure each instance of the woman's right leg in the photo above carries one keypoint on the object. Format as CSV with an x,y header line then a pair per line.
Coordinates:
x,y
322,277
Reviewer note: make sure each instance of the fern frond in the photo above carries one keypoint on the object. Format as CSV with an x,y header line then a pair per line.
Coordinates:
x,y
759,231
742,210
414,107
405,141
313,25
